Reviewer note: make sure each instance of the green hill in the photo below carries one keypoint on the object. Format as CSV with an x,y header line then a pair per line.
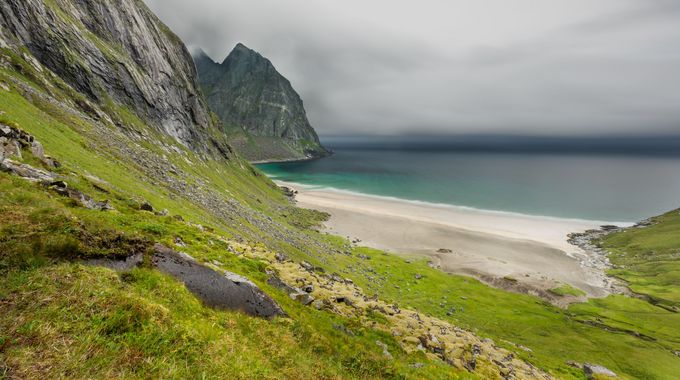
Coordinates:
x,y
124,158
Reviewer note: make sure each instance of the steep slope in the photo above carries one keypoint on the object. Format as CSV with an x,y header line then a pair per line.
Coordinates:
x,y
249,94
105,156
119,55
112,182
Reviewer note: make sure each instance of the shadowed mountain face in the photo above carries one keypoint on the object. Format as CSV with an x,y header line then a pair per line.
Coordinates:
x,y
265,117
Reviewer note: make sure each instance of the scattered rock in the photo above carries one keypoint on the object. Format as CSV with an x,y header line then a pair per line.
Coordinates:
x,y
280,257
163,212
61,187
276,282
308,288
592,370
179,242
290,193
302,297
677,353
307,266
444,250
345,300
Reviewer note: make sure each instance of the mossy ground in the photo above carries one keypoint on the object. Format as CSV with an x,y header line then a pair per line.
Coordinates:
x,y
648,259
567,290
64,319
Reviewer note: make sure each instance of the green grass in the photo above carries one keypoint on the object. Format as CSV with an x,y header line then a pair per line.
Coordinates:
x,y
649,259
84,322
555,336
567,290
67,320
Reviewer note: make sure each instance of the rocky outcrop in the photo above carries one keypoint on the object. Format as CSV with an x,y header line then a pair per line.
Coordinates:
x,y
218,289
247,92
13,140
117,54
434,338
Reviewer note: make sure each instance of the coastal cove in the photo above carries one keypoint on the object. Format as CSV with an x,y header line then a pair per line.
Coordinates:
x,y
521,253
613,188
407,203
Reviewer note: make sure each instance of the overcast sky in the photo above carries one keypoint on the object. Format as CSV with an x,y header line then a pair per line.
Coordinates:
x,y
477,66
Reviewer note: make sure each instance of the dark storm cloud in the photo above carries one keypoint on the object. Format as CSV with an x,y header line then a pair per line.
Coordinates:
x,y
522,66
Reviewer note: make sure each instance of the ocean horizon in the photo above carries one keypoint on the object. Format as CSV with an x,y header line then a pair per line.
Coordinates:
x,y
591,179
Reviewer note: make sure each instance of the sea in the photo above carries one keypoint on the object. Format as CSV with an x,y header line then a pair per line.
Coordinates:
x,y
621,180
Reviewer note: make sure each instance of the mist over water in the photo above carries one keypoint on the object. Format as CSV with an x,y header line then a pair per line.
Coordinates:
x,y
619,181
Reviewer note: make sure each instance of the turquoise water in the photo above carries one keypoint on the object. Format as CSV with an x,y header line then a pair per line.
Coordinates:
x,y
582,186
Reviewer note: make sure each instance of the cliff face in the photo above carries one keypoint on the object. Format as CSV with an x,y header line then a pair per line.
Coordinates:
x,y
118,54
247,92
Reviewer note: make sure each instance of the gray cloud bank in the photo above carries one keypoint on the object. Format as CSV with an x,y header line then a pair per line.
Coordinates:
x,y
452,66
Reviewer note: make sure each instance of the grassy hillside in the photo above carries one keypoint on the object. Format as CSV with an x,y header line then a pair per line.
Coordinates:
x,y
649,259
60,318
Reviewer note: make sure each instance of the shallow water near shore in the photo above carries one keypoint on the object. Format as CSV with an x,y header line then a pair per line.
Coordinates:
x,y
615,188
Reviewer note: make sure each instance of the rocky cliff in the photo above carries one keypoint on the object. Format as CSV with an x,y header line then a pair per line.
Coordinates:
x,y
119,55
248,93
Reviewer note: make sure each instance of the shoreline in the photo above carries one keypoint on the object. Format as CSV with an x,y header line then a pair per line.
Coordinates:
x,y
523,253
290,160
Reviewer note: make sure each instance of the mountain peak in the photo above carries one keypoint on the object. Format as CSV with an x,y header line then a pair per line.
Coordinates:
x,y
241,52
246,91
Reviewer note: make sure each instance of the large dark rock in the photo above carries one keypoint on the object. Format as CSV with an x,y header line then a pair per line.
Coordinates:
x,y
247,92
224,290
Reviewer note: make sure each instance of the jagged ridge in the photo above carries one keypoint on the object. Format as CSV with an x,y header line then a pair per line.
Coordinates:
x,y
119,55
247,92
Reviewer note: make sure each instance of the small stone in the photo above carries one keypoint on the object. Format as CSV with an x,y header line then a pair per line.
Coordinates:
x,y
417,365
307,266
163,212
303,298
308,288
280,257
146,206
344,300
386,353
37,150
59,184
418,276
593,370
179,242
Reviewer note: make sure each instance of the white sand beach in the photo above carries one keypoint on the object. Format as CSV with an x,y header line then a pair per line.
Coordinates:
x,y
486,244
